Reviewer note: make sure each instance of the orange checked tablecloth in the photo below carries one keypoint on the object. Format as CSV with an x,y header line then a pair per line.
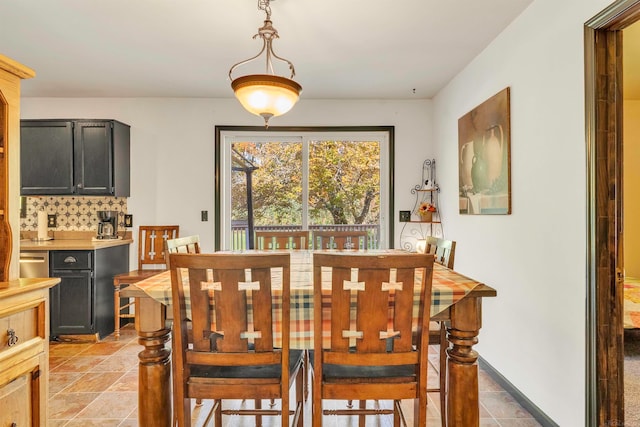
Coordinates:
x,y
448,287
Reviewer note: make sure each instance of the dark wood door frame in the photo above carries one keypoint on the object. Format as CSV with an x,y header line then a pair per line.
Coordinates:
x,y
604,103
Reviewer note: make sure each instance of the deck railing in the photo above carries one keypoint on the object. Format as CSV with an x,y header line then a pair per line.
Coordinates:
x,y
239,232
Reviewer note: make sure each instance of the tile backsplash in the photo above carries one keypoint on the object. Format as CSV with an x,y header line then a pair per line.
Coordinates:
x,y
72,213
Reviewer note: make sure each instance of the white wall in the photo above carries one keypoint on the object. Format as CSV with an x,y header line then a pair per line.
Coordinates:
x,y
172,147
534,331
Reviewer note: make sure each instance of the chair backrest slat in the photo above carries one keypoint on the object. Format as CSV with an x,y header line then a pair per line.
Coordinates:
x,y
282,240
372,300
186,245
231,300
324,239
444,250
151,241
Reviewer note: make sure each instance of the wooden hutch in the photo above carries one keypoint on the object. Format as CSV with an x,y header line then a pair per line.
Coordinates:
x,y
24,304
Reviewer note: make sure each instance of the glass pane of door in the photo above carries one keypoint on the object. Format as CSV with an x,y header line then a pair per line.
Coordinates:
x,y
344,186
266,188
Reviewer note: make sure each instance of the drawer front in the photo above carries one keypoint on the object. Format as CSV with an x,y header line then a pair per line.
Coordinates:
x,y
16,401
21,324
71,260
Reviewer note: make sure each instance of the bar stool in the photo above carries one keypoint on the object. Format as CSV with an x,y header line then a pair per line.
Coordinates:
x,y
151,260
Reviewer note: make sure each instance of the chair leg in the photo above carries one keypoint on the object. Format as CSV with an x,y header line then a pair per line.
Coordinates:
x,y
182,411
444,344
397,419
116,305
300,393
316,398
258,405
306,374
217,412
420,410
362,418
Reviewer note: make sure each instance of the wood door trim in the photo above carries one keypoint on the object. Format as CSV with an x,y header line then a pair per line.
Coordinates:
x,y
603,121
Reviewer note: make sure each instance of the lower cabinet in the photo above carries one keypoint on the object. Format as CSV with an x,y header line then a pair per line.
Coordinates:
x,y
24,352
72,303
82,303
21,398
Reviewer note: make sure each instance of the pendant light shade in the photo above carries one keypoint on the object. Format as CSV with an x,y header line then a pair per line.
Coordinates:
x,y
266,95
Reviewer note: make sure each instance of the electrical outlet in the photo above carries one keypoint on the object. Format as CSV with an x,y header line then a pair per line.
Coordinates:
x,y
52,221
204,216
128,220
405,216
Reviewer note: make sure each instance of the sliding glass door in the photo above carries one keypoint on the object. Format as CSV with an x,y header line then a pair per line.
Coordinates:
x,y
294,180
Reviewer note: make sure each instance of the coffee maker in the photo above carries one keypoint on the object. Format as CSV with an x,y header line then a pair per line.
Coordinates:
x,y
107,225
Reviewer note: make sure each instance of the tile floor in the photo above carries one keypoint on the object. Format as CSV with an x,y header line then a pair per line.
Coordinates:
x,y
96,384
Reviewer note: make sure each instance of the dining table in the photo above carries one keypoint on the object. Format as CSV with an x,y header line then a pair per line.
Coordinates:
x,y
455,298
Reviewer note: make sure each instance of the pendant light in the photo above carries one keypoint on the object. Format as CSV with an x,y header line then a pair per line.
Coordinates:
x,y
266,95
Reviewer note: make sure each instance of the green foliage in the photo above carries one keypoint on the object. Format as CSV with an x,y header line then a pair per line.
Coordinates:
x,y
344,182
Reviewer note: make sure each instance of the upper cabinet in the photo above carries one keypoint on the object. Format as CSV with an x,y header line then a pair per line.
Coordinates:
x,y
74,157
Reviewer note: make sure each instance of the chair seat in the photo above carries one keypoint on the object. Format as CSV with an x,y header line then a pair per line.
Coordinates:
x,y
135,275
367,373
257,371
331,371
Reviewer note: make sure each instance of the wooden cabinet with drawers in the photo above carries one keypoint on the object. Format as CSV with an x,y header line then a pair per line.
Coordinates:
x,y
24,351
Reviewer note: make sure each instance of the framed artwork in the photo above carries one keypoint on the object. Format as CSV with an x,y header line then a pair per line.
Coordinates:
x,y
484,157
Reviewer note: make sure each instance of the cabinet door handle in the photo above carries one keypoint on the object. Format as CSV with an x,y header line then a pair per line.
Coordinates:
x,y
70,260
12,338
79,185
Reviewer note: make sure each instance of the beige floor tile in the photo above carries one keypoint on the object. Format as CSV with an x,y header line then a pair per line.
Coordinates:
x,y
127,382
500,404
80,363
110,405
58,381
95,384
67,405
103,348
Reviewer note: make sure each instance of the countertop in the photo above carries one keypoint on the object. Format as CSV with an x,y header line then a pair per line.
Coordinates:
x,y
70,240
19,286
71,244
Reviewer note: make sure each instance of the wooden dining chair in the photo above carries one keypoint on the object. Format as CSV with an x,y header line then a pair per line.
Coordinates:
x,y
282,240
444,252
367,325
232,352
324,239
186,245
151,260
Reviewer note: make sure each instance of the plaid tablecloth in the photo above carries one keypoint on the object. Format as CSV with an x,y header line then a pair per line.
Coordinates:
x,y
448,287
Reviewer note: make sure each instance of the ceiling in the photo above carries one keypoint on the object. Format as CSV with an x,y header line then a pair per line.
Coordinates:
x,y
341,49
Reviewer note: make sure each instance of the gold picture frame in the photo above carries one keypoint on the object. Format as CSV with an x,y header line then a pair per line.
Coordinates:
x,y
484,157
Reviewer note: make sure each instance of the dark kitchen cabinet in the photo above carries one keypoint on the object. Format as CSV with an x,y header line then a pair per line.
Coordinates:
x,y
74,157
72,303
82,303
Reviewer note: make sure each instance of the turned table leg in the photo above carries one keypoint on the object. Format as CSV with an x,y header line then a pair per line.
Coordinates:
x,y
154,377
463,404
